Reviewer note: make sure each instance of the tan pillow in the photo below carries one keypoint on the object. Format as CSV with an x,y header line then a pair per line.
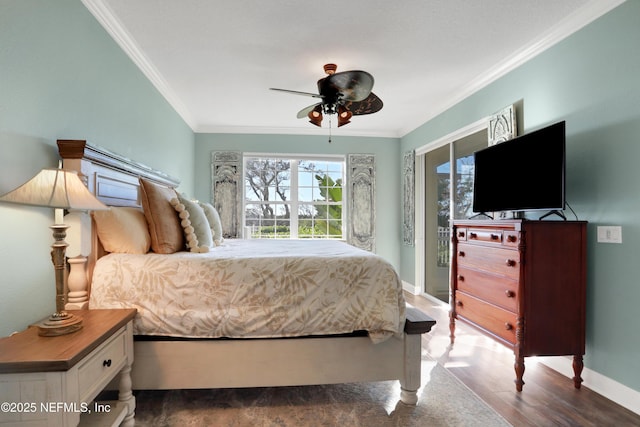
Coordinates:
x,y
165,230
123,230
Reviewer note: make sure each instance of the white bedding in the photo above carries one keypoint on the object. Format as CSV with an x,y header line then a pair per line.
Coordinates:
x,y
255,289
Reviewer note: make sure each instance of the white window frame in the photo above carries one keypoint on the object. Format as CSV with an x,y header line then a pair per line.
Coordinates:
x,y
294,182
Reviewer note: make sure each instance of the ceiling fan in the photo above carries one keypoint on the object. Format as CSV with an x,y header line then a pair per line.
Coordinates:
x,y
347,94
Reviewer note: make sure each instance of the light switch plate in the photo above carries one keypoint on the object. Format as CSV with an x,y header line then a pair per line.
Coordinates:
x,y
609,234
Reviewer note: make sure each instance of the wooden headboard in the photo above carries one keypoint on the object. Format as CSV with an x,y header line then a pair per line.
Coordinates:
x,y
113,179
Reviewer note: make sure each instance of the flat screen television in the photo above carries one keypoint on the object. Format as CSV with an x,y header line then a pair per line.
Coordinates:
x,y
522,174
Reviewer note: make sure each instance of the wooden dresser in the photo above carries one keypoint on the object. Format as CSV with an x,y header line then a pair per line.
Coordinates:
x,y
523,283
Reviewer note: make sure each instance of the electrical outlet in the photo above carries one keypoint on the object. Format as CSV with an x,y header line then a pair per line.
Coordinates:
x,y
609,234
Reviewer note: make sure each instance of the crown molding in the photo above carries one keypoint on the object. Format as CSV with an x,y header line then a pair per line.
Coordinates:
x,y
574,22
105,16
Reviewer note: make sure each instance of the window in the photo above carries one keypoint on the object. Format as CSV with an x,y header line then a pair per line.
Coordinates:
x,y
291,198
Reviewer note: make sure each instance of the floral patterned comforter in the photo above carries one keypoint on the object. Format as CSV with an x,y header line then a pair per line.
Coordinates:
x,y
255,289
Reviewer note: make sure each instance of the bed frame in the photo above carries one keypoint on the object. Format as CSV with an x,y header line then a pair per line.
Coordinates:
x,y
222,363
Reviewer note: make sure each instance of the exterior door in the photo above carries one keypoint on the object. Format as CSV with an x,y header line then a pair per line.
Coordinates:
x,y
448,187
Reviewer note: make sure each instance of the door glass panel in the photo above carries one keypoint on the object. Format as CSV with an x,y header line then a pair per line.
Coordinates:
x,y
463,150
444,198
437,198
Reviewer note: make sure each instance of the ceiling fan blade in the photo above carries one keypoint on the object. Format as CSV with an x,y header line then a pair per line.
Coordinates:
x,y
296,92
305,111
369,105
351,85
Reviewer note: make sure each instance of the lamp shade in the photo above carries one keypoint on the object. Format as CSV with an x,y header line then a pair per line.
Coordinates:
x,y
55,188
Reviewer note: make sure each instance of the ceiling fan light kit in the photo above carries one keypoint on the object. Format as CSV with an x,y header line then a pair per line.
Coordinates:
x,y
344,116
315,116
346,94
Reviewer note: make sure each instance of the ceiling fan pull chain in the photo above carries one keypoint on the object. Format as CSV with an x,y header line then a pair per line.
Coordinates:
x,y
330,128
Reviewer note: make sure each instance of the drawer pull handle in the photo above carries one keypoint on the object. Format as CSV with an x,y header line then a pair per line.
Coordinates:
x,y
509,294
511,238
107,363
460,278
459,303
508,326
460,233
495,237
473,235
510,263
461,253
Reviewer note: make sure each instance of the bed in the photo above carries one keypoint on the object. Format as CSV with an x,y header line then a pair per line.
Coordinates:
x,y
284,322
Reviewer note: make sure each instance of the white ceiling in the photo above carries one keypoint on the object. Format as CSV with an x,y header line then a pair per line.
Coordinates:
x,y
214,60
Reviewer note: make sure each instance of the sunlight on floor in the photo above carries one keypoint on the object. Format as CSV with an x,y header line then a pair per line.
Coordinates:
x,y
458,364
391,403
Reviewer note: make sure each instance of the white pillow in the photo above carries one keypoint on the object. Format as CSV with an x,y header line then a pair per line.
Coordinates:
x,y
214,222
195,224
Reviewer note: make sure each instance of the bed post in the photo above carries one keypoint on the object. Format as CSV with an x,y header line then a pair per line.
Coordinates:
x,y
417,323
410,382
79,239
77,284
79,234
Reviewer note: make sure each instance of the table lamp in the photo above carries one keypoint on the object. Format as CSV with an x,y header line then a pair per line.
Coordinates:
x,y
58,189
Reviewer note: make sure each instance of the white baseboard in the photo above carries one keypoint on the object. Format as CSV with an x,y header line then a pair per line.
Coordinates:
x,y
611,389
411,288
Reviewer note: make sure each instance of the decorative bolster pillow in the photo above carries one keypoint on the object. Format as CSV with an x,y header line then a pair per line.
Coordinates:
x,y
194,223
214,222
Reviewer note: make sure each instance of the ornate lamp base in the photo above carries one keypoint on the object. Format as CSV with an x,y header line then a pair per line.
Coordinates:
x,y
60,322
57,324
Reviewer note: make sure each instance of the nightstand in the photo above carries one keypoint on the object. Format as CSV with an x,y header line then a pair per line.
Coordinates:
x,y
52,381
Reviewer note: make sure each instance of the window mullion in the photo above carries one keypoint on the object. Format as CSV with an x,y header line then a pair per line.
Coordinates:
x,y
293,221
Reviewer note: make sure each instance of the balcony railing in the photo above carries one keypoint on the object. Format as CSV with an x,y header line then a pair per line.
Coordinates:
x,y
443,246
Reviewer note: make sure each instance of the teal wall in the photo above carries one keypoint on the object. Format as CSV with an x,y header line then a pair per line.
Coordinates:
x,y
591,80
386,151
63,77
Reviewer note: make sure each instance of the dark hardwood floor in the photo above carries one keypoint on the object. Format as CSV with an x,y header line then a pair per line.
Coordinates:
x,y
486,367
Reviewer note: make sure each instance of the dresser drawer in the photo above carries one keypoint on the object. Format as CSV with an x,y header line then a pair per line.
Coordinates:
x,y
501,261
494,319
509,238
484,235
102,365
497,290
